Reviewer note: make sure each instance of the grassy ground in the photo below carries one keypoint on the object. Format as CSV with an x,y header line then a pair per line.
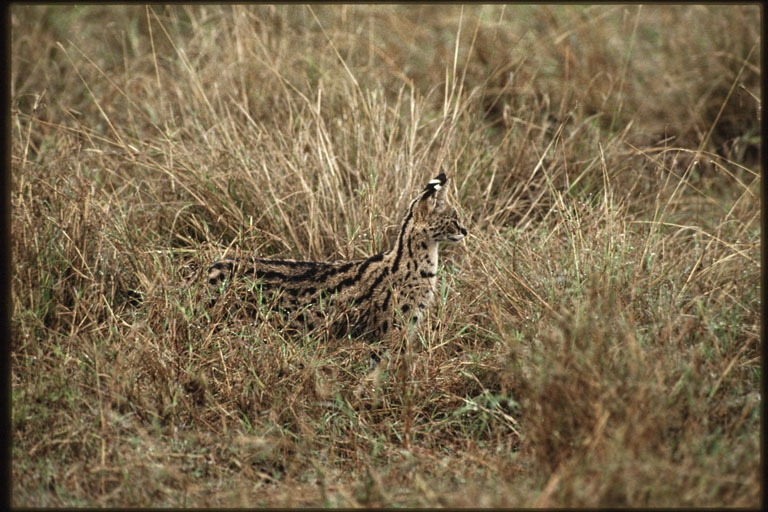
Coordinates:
x,y
595,341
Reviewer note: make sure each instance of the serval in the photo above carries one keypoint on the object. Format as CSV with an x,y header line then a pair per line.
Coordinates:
x,y
374,299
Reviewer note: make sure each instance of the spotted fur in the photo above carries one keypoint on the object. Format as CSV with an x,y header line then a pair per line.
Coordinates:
x,y
368,298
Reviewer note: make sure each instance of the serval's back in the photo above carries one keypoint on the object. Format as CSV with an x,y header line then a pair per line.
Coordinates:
x,y
371,298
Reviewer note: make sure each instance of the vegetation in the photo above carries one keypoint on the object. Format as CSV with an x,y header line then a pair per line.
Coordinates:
x,y
596,337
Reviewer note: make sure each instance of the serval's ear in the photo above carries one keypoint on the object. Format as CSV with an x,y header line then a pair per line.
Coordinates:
x,y
432,194
440,194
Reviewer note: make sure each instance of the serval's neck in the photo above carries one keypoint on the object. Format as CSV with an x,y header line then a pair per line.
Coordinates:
x,y
413,248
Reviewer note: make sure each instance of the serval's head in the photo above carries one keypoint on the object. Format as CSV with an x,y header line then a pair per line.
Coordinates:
x,y
433,213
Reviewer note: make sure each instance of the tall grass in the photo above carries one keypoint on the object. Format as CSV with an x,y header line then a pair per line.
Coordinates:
x,y
595,341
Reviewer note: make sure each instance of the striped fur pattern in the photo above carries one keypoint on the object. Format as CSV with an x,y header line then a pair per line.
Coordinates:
x,y
371,298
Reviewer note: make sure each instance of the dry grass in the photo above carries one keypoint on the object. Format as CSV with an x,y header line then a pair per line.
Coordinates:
x,y
596,338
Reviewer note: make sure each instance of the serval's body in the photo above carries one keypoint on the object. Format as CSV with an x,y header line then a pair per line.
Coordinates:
x,y
371,298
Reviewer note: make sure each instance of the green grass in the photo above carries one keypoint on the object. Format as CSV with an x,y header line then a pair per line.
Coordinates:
x,y
594,341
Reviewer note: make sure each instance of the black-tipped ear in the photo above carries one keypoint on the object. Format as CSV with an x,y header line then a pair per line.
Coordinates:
x,y
440,194
436,183
430,196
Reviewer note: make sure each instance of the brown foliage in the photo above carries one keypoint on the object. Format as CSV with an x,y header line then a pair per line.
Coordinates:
x,y
595,339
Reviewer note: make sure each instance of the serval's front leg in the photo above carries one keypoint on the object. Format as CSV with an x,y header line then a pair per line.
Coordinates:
x,y
395,341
